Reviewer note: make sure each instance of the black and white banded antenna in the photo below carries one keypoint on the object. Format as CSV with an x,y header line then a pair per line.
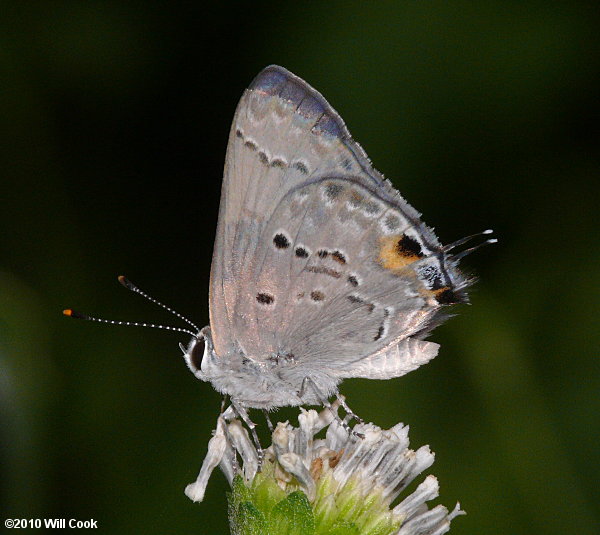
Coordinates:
x,y
130,286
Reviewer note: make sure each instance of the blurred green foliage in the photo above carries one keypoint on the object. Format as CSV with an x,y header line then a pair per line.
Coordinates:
x,y
114,125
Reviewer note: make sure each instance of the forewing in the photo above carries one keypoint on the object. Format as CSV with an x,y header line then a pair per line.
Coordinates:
x,y
317,259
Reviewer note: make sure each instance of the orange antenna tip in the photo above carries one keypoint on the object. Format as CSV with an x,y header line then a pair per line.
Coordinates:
x,y
72,314
126,282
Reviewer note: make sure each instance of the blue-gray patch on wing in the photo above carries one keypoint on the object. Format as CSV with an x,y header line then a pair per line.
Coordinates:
x,y
270,80
310,107
276,81
329,124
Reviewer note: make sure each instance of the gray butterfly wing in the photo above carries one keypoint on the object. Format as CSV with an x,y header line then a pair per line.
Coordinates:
x,y
318,259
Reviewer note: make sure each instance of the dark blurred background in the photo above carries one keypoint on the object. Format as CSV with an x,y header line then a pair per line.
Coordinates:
x,y
114,123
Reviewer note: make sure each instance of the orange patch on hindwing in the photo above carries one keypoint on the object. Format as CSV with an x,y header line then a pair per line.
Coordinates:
x,y
398,251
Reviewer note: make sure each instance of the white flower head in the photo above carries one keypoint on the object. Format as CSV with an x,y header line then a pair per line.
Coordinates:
x,y
347,479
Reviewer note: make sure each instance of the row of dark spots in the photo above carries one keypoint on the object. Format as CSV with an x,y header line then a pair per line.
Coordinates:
x,y
315,295
282,242
335,255
356,199
275,162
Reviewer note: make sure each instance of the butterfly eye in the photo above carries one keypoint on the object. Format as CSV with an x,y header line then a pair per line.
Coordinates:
x,y
197,353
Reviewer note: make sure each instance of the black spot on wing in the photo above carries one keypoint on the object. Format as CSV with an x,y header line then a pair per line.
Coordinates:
x,y
280,241
317,295
264,159
278,162
300,167
265,299
301,252
338,257
408,246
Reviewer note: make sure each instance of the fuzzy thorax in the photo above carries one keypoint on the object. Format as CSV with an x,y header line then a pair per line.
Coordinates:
x,y
265,384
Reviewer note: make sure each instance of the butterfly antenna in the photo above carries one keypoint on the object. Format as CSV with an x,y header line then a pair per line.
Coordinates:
x,y
130,286
464,240
472,249
78,315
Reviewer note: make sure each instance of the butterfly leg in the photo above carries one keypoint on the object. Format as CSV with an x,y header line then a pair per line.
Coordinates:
x,y
227,414
325,402
243,414
223,403
269,422
349,411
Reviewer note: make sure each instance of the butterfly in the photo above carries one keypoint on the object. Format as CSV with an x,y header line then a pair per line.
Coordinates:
x,y
321,271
